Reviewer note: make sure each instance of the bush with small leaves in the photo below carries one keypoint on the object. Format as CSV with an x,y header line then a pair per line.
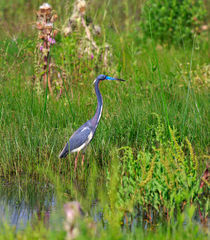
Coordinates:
x,y
172,21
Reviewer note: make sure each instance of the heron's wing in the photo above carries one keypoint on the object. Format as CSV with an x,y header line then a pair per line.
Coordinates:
x,y
78,141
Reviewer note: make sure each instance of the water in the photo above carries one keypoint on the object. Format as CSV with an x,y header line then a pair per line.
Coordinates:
x,y
23,200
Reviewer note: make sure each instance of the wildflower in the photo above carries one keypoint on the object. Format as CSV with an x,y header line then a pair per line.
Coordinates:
x,y
51,40
41,48
92,56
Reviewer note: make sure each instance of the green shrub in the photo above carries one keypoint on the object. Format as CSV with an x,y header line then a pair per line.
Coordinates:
x,y
172,21
165,178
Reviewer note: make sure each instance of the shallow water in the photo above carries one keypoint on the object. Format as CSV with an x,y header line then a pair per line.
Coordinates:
x,y
22,201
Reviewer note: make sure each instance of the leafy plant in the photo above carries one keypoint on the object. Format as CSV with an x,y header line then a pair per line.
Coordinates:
x,y
172,21
166,178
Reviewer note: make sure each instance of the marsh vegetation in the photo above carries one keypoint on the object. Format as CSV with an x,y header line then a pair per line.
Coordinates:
x,y
143,172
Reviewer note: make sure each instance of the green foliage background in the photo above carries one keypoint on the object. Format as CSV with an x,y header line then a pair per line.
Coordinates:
x,y
173,21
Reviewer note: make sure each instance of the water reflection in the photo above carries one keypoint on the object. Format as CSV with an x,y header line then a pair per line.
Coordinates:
x,y
24,200
21,200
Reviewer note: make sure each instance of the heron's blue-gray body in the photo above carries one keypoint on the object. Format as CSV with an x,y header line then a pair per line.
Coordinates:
x,y
83,135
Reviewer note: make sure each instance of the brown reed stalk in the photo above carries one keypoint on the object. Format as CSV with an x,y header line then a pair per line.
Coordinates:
x,y
45,24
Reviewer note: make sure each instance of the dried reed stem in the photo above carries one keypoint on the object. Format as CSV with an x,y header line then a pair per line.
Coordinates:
x,y
45,20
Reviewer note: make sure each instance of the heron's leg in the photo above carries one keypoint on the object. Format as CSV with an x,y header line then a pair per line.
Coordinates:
x,y
75,163
83,157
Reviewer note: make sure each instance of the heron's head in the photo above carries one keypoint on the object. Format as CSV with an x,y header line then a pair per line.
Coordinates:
x,y
105,77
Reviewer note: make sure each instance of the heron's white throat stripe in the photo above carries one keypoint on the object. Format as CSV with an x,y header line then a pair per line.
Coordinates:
x,y
100,114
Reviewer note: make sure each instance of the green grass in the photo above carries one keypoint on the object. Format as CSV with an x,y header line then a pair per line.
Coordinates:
x,y
35,127
161,89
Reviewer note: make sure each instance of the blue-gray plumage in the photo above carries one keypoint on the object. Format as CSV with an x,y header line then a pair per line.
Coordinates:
x,y
83,135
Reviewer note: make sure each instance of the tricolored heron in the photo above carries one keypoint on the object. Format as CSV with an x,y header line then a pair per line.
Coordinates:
x,y
83,135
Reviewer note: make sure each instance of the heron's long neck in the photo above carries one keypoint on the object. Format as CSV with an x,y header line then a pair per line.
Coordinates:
x,y
97,115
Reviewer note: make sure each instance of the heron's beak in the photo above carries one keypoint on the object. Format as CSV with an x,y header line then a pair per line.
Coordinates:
x,y
119,79
111,78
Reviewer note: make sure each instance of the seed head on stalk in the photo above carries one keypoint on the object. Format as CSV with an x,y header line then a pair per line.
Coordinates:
x,y
45,25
